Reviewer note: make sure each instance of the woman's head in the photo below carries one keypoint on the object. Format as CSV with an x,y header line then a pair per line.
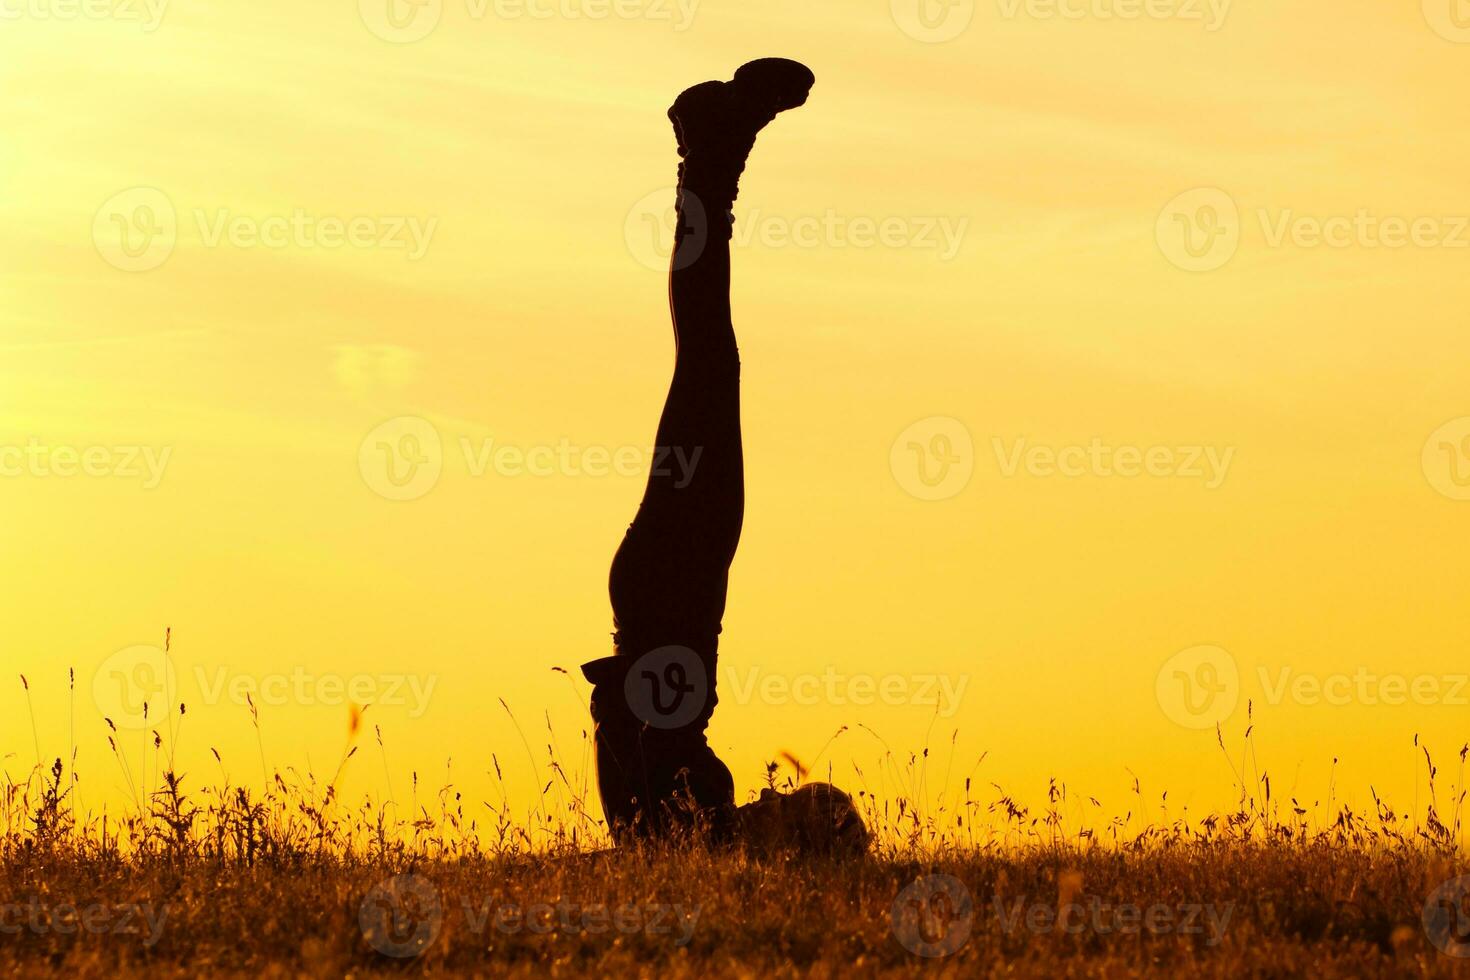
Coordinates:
x,y
817,818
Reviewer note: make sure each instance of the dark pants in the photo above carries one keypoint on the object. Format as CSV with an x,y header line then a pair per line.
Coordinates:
x,y
669,577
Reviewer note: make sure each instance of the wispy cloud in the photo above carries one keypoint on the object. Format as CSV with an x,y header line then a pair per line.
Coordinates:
x,y
366,369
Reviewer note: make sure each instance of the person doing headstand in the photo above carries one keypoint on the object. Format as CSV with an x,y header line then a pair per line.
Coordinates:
x,y
653,698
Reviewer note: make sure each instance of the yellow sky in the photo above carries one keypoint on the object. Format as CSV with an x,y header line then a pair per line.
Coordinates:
x,y
978,219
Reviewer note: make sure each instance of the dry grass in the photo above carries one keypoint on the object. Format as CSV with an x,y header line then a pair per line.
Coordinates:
x,y
293,880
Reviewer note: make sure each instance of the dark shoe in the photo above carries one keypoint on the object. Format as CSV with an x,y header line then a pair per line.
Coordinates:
x,y
716,123
724,117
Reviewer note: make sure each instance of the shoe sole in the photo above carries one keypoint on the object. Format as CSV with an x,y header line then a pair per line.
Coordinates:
x,y
775,84
779,83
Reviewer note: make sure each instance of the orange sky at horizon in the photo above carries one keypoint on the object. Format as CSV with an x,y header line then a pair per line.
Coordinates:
x,y
1103,375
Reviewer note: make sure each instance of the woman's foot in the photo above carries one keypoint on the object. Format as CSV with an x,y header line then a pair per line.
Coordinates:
x,y
721,117
716,123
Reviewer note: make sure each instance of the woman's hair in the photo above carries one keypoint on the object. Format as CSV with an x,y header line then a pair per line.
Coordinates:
x,y
817,818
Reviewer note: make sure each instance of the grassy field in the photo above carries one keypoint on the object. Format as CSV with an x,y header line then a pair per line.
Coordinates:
x,y
1217,909
292,880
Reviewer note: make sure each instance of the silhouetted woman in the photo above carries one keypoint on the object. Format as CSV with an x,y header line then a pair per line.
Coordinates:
x,y
652,700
